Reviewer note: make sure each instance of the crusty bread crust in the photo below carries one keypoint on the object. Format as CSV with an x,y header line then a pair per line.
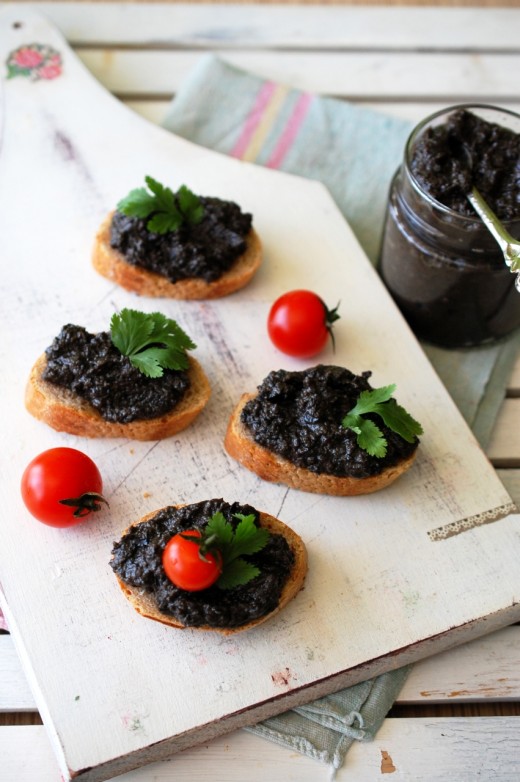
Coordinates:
x,y
144,603
64,411
111,264
271,467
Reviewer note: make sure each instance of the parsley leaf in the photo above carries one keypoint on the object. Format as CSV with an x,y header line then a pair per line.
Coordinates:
x,y
232,544
399,420
236,573
138,203
369,436
222,530
167,210
190,205
152,341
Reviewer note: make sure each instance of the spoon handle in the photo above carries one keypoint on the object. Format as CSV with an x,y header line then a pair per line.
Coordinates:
x,y
507,243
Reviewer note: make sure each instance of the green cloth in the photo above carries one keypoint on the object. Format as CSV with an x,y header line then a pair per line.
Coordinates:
x,y
354,152
326,728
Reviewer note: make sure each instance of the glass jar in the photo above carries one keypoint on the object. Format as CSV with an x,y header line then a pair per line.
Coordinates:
x,y
445,271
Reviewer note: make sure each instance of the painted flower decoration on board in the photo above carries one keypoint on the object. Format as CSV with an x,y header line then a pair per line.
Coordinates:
x,y
34,61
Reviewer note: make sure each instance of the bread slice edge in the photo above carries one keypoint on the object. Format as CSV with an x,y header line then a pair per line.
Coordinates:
x,y
65,411
110,263
144,603
269,466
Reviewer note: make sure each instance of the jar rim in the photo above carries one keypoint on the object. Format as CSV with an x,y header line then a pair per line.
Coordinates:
x,y
408,156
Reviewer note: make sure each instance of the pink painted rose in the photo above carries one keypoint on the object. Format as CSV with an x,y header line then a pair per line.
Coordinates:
x,y
28,58
34,61
49,71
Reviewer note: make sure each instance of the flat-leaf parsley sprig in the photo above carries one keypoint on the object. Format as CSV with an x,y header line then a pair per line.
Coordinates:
x,y
167,211
231,545
151,341
369,436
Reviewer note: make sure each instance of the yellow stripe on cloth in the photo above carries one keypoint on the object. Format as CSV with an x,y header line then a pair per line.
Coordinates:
x,y
266,123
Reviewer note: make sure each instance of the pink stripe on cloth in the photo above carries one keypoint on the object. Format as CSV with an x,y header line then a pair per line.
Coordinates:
x,y
3,623
290,131
253,119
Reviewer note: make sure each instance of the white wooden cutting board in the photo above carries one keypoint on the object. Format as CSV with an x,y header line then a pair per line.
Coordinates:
x,y
428,563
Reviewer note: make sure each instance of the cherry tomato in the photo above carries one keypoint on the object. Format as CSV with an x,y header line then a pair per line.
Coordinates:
x,y
187,566
299,323
61,486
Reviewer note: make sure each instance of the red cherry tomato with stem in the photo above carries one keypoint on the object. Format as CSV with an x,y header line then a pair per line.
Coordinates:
x,y
61,487
300,323
188,565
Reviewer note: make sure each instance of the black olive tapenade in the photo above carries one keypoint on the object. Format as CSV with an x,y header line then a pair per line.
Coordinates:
x,y
298,416
205,250
443,267
93,368
137,561
466,151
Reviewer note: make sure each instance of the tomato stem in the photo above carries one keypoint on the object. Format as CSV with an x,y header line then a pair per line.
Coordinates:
x,y
85,504
331,316
208,544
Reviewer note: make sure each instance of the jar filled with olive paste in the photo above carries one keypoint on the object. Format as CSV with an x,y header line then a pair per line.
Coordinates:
x,y
443,268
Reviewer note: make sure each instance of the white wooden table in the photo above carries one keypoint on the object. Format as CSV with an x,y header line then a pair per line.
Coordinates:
x,y
458,716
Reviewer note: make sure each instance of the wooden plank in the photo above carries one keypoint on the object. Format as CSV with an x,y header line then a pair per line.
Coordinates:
x,y
436,750
282,26
503,446
513,386
484,670
367,76
422,750
26,756
15,693
511,480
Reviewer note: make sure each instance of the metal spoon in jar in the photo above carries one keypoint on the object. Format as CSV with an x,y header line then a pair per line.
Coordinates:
x,y
507,243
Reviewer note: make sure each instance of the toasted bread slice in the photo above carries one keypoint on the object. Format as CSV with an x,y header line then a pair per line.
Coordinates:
x,y
111,264
271,467
144,602
65,411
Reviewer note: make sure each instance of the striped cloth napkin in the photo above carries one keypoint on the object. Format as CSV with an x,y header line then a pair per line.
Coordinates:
x,y
355,153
